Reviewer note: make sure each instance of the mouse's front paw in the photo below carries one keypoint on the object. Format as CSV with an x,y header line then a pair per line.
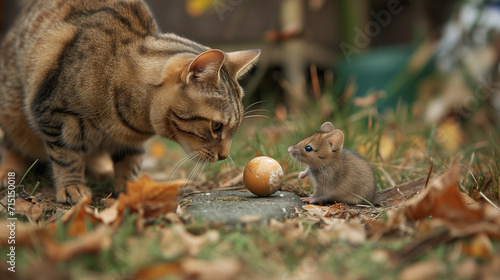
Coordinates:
x,y
72,194
310,200
302,174
314,199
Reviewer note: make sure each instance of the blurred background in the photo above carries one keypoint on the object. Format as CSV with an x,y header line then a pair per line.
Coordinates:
x,y
442,57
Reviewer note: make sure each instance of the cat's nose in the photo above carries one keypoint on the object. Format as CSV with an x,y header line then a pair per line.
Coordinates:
x,y
223,151
290,149
222,157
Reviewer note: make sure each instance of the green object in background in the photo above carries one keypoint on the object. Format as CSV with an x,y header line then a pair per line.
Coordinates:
x,y
383,69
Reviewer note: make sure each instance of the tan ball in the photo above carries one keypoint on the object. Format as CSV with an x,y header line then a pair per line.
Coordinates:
x,y
262,176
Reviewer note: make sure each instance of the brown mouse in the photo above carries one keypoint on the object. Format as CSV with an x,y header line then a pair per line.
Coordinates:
x,y
337,174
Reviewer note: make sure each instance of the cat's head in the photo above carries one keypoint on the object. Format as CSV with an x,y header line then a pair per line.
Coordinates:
x,y
202,107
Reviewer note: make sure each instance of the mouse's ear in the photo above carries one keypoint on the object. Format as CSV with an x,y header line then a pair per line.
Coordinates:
x,y
336,140
326,127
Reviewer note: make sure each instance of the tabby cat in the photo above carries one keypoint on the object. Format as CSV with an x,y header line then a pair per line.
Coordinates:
x,y
84,79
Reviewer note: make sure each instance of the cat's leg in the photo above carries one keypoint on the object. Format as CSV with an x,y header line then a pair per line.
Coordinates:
x,y
68,167
127,163
99,167
12,161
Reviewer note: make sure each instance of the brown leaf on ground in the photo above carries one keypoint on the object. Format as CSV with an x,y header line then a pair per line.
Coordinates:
x,y
351,231
30,208
78,216
338,223
422,270
157,271
77,219
177,241
318,213
395,225
193,269
91,243
479,247
221,269
24,233
148,198
28,235
446,204
291,230
194,243
336,210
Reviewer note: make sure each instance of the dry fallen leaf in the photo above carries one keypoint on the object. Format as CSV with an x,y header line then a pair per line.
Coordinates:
x,y
221,269
32,209
78,216
291,230
194,243
192,269
83,241
445,203
479,247
323,213
422,271
91,243
351,231
176,241
147,197
159,271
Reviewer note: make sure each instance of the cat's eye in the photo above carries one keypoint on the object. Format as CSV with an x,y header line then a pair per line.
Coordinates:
x,y
308,148
216,127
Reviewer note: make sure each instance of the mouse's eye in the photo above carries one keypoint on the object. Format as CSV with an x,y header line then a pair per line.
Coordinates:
x,y
308,148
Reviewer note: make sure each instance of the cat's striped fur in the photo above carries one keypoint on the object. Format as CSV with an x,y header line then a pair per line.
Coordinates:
x,y
82,79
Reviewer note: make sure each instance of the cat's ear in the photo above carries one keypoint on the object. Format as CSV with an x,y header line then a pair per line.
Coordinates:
x,y
326,127
335,140
205,67
240,62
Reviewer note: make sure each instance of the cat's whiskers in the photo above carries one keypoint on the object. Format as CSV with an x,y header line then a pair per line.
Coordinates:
x,y
247,111
253,104
204,163
181,162
256,110
189,179
195,174
232,162
257,116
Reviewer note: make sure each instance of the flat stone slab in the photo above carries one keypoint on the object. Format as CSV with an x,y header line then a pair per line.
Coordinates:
x,y
236,207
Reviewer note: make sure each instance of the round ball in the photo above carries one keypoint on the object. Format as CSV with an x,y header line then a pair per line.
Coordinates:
x,y
263,176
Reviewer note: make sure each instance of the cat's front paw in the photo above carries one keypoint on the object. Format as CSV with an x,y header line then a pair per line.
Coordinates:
x,y
72,194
